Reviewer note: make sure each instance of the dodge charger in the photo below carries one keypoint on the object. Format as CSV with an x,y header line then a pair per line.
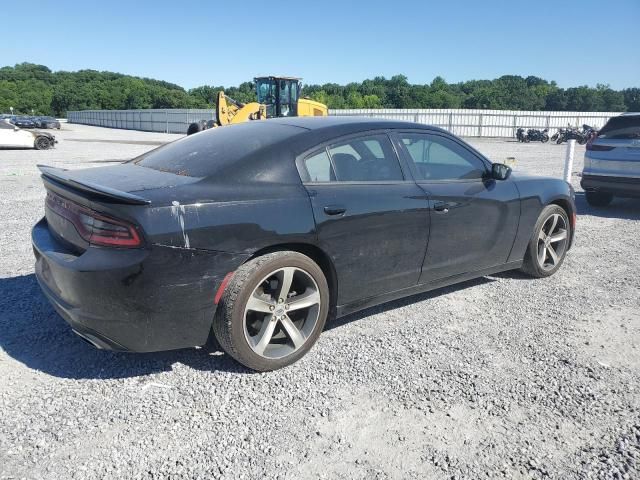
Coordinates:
x,y
257,233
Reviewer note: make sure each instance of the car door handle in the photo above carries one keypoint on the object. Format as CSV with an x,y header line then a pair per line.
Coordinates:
x,y
441,207
334,209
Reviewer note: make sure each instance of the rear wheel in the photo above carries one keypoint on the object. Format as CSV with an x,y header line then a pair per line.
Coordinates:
x,y
598,199
42,143
273,310
549,243
194,128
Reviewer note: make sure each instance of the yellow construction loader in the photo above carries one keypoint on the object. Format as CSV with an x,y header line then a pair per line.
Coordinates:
x,y
277,97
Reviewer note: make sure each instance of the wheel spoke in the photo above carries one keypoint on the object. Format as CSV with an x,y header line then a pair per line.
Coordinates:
x,y
257,304
553,224
543,235
542,253
292,331
552,254
561,235
264,335
305,300
285,285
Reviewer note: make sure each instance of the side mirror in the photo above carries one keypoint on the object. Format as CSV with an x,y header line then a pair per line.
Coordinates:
x,y
500,171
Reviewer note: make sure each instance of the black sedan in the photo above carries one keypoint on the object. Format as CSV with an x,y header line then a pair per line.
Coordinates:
x,y
24,122
46,122
259,232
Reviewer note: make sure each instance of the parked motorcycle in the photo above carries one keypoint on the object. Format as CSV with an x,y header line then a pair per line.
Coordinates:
x,y
559,133
536,135
521,136
573,133
589,131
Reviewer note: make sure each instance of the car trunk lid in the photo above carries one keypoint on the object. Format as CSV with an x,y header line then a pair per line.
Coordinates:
x,y
94,206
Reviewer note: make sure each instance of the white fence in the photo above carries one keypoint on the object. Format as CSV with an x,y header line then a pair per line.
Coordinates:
x,y
486,123
465,123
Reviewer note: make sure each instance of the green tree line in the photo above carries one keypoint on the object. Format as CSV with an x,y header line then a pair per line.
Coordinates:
x,y
29,87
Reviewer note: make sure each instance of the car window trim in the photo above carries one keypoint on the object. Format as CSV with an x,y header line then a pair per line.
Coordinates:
x,y
483,160
360,182
302,157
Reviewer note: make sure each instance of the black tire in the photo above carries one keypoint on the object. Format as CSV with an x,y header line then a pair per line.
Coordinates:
x,y
526,139
194,128
582,140
559,140
598,199
531,266
229,322
545,138
42,143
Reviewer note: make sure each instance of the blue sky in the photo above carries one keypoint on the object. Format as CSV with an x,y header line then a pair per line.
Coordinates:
x,y
193,43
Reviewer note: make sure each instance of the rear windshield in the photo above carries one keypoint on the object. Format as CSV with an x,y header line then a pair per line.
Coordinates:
x,y
206,153
621,127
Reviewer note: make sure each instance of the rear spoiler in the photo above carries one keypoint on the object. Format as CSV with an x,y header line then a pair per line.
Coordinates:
x,y
59,175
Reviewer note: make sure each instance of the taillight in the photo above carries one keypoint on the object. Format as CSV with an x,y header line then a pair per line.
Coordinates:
x,y
597,148
94,227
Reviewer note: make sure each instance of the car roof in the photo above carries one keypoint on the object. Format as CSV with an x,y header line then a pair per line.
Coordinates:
x,y
303,134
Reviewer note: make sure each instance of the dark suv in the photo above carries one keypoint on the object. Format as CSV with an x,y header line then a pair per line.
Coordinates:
x,y
612,161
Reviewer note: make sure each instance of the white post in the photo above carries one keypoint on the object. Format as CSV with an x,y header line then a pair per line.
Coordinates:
x,y
568,160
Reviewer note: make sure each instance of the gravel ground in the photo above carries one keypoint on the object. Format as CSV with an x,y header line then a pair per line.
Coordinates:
x,y
498,377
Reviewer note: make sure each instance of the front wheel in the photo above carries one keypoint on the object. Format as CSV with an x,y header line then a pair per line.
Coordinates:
x,y
545,138
549,243
273,310
582,140
42,143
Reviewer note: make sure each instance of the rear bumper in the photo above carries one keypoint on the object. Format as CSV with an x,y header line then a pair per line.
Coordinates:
x,y
619,186
138,300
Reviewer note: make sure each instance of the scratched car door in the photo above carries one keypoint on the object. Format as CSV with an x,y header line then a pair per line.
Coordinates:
x,y
370,218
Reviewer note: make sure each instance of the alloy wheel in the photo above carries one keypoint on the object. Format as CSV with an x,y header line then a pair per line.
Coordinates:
x,y
552,241
282,312
42,143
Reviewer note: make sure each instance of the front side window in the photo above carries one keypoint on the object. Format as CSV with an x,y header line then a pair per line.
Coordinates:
x,y
439,158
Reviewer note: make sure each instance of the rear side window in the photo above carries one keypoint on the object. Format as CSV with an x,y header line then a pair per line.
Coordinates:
x,y
365,159
319,167
207,153
438,158
621,127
